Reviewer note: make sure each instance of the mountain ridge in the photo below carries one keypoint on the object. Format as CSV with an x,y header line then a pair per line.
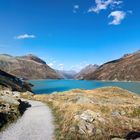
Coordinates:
x,y
88,69
126,68
27,67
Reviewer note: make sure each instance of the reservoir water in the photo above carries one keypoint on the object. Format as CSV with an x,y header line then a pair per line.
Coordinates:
x,y
50,86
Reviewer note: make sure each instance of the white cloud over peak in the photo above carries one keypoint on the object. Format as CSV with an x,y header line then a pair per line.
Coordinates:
x,y
118,16
25,36
51,64
104,4
61,66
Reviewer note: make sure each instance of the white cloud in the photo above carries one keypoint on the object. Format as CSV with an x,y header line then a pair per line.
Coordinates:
x,y
75,8
61,66
25,36
51,64
104,4
118,16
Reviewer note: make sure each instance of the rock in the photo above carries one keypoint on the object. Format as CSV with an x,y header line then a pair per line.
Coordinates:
x,y
98,131
82,127
89,116
4,107
9,100
90,129
27,93
16,94
117,139
13,83
115,114
86,128
133,136
80,100
6,92
123,112
86,124
72,129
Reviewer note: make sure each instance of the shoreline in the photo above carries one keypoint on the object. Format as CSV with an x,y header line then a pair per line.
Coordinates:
x,y
84,80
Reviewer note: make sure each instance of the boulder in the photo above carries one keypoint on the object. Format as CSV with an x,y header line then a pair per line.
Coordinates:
x,y
89,116
9,100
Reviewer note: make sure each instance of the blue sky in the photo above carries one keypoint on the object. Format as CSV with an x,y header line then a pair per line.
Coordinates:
x,y
69,34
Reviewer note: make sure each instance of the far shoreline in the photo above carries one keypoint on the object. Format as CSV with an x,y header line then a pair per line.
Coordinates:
x,y
115,81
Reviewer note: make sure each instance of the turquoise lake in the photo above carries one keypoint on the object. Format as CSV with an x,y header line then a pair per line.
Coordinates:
x,y
49,86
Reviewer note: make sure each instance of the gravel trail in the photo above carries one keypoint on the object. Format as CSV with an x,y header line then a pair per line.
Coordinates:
x,y
35,124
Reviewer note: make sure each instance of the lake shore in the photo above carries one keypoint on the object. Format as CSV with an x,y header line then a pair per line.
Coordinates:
x,y
86,80
102,113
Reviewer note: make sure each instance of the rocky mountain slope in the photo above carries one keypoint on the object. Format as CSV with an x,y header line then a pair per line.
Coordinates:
x,y
27,67
67,74
126,68
85,71
14,83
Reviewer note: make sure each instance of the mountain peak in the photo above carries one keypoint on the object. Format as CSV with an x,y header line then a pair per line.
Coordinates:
x,y
88,69
33,58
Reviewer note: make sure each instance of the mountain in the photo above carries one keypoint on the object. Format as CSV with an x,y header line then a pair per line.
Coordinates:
x,y
126,68
66,74
27,67
85,71
33,58
14,83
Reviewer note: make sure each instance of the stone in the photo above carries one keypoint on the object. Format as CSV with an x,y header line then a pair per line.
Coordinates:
x,y
72,129
82,127
89,116
117,139
16,94
80,100
9,100
86,128
115,114
27,93
98,131
90,129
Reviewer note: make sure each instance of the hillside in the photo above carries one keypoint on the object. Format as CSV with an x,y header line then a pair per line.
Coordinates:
x,y
108,113
27,67
87,70
126,68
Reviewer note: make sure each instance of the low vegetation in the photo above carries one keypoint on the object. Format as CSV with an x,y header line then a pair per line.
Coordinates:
x,y
99,114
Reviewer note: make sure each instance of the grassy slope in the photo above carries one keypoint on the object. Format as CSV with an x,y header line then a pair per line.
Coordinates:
x,y
118,112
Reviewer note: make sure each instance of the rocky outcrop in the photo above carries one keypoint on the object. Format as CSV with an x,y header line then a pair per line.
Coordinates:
x,y
11,107
85,71
13,82
126,68
27,67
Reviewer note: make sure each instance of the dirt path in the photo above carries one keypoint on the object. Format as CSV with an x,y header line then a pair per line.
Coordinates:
x,y
35,124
